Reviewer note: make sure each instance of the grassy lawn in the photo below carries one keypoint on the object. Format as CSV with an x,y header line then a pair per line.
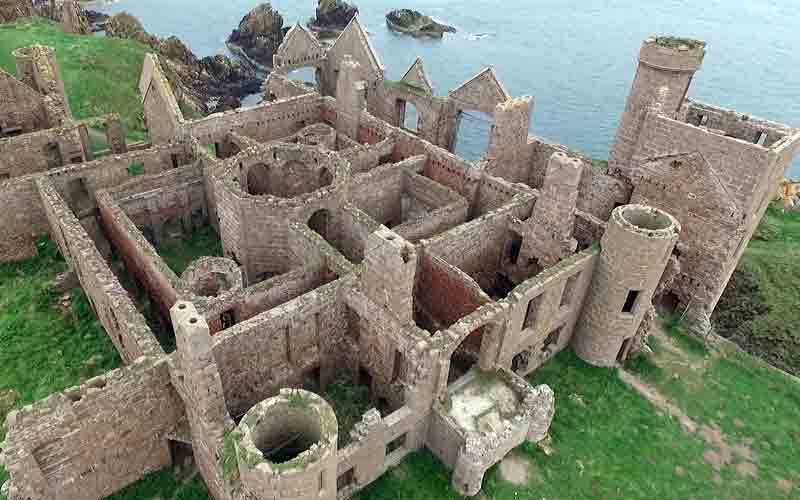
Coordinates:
x,y
773,261
179,253
44,350
101,75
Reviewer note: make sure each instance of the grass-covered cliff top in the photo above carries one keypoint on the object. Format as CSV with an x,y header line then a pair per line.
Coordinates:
x,y
760,309
101,75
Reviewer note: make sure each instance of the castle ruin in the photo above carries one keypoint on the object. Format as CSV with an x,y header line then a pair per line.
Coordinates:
x,y
355,248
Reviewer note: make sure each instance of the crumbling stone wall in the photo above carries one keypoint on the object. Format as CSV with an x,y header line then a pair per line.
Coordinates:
x,y
27,114
543,313
124,324
41,150
109,432
445,294
278,348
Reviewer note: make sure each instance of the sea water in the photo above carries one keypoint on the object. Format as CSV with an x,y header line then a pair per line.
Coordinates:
x,y
577,58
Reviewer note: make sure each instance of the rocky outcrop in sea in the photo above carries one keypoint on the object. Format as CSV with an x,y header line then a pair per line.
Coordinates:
x,y
415,23
259,34
211,84
332,17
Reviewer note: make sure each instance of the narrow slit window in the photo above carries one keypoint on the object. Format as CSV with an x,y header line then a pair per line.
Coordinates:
x,y
630,301
761,138
703,121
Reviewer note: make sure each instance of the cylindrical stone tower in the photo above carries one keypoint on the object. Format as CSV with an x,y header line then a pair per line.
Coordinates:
x,y
635,250
665,71
286,448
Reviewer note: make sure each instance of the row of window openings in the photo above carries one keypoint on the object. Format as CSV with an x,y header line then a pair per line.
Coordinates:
x,y
567,298
628,307
760,138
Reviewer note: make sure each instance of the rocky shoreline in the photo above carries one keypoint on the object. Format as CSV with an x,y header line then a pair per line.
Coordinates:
x,y
203,85
417,24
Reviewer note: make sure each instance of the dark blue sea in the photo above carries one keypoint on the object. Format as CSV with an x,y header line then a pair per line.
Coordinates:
x,y
576,58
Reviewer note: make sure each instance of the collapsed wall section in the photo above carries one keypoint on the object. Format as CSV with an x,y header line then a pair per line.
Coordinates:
x,y
27,113
265,122
90,441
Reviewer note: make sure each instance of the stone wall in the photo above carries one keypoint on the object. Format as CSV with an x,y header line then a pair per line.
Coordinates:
x,y
140,257
109,433
162,113
40,151
279,347
732,159
543,311
27,113
444,293
126,327
264,122
24,220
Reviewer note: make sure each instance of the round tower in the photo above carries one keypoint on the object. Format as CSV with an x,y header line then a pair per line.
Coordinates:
x,y
665,71
635,249
286,448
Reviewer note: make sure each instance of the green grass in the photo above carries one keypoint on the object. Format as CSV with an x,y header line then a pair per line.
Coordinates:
x,y
101,75
747,400
773,335
43,350
165,485
349,401
179,253
608,442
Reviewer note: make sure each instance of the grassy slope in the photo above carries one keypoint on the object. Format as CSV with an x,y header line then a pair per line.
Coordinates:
x,y
743,397
43,350
777,264
101,75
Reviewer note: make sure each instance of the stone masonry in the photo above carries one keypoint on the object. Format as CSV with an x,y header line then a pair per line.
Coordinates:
x,y
358,251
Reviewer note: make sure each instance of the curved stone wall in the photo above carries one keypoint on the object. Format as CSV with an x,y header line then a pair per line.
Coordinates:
x,y
293,182
286,447
635,250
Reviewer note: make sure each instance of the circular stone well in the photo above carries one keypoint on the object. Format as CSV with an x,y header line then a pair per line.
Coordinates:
x,y
289,439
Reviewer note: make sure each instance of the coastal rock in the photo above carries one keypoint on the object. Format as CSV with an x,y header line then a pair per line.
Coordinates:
x,y
415,23
11,10
211,84
125,25
333,15
259,34
96,19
